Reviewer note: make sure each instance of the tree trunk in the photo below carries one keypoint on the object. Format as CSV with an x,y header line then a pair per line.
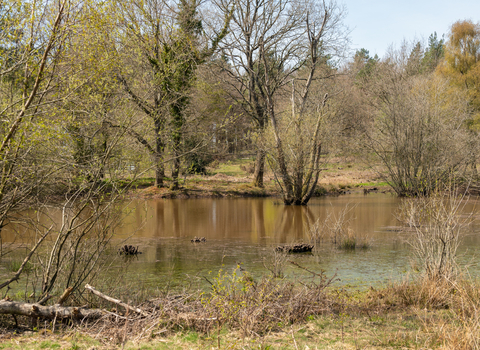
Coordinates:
x,y
159,146
159,172
175,171
176,137
288,190
259,169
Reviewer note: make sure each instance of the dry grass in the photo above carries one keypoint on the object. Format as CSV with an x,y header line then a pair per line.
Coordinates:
x,y
235,302
240,313
447,310
414,313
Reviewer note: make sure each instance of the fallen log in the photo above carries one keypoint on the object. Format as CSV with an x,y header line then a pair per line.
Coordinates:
x,y
58,311
51,312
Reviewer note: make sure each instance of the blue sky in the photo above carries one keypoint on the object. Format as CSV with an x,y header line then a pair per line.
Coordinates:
x,y
377,24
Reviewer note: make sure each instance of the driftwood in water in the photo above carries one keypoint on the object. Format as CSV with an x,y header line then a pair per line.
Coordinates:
x,y
295,248
51,312
129,250
198,239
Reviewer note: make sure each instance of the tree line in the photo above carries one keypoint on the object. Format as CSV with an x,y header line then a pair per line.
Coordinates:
x,y
151,84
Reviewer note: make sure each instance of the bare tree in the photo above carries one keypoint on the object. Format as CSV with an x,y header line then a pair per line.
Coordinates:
x,y
270,29
32,49
325,36
418,132
272,43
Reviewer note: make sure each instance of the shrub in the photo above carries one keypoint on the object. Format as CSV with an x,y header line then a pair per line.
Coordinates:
x,y
418,132
437,225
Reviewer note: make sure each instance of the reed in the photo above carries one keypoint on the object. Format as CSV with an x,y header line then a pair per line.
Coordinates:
x,y
337,228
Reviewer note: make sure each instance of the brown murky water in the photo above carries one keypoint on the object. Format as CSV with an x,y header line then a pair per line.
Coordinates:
x,y
245,231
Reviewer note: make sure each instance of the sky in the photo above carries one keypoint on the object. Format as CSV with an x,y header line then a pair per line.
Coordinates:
x,y
376,25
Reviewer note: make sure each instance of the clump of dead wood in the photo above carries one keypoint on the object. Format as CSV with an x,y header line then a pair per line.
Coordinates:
x,y
129,250
295,248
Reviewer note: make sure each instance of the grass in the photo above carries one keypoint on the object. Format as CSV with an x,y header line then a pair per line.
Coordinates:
x,y
348,243
351,240
233,167
14,265
414,313
231,178
336,228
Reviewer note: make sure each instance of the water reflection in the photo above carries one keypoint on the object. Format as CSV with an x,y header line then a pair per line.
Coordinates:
x,y
246,231
260,221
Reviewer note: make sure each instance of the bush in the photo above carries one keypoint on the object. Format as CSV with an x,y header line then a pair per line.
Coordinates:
x,y
254,307
437,225
419,131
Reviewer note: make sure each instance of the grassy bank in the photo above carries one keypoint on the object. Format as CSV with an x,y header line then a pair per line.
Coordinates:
x,y
414,314
233,178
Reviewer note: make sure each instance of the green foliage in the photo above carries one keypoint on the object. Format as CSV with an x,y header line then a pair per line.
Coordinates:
x,y
365,64
14,265
434,53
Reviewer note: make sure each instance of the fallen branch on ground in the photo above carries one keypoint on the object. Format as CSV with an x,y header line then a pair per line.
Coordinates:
x,y
116,301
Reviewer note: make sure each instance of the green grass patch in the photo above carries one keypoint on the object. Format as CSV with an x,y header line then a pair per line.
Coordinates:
x,y
47,344
233,167
14,265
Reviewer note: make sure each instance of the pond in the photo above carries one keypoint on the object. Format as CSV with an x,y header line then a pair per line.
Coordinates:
x,y
245,232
